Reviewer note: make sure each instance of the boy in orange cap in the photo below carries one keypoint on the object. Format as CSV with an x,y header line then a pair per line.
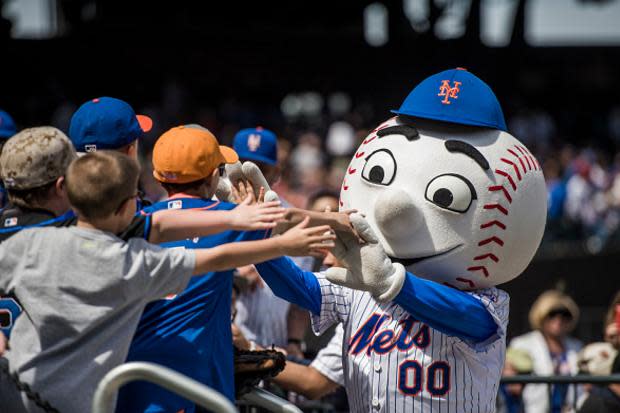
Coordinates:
x,y
189,332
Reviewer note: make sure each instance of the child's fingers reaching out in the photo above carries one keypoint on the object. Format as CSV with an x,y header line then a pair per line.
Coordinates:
x,y
254,217
302,241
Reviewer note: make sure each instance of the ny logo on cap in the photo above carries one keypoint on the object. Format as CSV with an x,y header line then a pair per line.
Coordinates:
x,y
449,92
253,142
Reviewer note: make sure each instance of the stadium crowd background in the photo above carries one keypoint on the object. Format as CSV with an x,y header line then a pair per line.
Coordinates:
x,y
319,78
309,75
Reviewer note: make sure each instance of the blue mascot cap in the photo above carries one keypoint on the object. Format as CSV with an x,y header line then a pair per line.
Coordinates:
x,y
455,96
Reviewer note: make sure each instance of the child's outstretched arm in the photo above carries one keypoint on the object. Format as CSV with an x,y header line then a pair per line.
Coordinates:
x,y
172,225
338,221
298,241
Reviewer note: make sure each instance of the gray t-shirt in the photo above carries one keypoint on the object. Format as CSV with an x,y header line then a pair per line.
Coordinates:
x,y
82,292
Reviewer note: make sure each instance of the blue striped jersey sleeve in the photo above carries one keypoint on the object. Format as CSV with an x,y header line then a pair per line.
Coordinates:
x,y
335,305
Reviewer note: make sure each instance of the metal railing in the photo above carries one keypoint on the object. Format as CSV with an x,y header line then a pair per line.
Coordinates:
x,y
204,396
574,381
269,401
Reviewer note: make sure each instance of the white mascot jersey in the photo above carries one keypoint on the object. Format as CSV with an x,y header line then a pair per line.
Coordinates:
x,y
464,206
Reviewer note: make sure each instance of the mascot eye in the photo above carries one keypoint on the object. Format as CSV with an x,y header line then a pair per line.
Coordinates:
x,y
380,167
451,191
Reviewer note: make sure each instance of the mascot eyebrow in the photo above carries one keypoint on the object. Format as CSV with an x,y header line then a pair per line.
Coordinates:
x,y
467,149
408,131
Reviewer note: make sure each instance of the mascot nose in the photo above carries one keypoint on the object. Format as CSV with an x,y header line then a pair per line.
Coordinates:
x,y
396,214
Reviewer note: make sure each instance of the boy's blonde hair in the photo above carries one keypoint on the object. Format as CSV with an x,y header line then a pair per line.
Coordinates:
x,y
99,182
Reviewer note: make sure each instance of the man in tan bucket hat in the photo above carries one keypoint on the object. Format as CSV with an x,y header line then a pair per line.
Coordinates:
x,y
552,317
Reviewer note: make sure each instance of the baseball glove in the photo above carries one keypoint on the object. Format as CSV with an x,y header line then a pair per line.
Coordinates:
x,y
253,366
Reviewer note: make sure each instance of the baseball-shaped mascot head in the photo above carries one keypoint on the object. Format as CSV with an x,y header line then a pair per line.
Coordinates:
x,y
450,193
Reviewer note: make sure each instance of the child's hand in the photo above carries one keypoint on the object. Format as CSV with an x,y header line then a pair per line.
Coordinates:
x,y
247,217
302,241
3,343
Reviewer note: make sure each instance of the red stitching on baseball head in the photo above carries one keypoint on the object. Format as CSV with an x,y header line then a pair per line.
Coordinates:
x,y
519,158
378,128
359,155
466,281
367,141
507,176
516,168
485,256
503,189
480,268
525,155
352,170
498,207
491,223
492,239
532,159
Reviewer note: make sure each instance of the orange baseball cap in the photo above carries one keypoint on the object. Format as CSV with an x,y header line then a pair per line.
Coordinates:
x,y
188,153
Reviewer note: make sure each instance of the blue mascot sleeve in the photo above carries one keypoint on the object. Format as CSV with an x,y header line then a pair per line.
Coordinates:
x,y
291,283
446,309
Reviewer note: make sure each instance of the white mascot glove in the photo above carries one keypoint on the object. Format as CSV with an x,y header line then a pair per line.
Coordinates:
x,y
246,171
257,179
368,266
223,192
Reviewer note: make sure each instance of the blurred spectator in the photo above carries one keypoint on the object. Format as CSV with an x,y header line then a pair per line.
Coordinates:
x,y
596,359
509,398
604,399
612,322
323,376
552,317
322,200
556,187
7,129
262,317
341,139
579,193
534,127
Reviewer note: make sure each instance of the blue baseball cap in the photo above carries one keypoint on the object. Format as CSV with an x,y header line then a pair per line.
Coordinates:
x,y
106,123
455,96
257,144
7,125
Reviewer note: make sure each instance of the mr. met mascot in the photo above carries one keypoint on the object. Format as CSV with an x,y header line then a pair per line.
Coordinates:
x,y
449,205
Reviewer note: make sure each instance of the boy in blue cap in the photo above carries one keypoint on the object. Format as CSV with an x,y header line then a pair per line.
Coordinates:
x,y
108,123
262,317
112,124
260,146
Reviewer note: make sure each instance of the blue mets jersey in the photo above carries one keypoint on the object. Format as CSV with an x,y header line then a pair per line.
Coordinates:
x,y
190,332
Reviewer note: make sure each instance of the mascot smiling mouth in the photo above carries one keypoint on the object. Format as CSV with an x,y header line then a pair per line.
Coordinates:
x,y
410,261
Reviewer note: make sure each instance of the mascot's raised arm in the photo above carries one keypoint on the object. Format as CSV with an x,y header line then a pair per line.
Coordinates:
x,y
450,205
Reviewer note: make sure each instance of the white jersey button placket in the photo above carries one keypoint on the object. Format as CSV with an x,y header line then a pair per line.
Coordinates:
x,y
378,366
